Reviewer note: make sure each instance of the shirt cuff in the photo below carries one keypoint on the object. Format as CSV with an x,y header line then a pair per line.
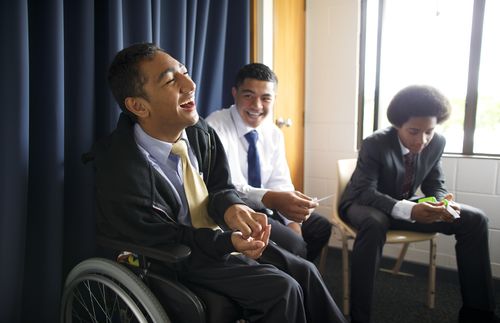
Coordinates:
x,y
285,220
254,196
402,210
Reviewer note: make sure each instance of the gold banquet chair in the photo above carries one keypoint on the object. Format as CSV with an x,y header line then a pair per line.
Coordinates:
x,y
345,168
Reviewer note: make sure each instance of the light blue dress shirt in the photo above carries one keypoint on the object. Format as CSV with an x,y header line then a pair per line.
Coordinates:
x,y
158,154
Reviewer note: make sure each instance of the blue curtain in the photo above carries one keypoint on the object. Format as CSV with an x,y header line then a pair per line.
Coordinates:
x,y
56,103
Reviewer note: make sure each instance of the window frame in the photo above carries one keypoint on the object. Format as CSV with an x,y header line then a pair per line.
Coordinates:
x,y
471,98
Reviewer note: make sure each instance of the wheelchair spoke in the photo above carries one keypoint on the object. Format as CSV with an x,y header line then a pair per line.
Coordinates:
x,y
79,297
91,303
115,309
91,297
95,295
98,302
83,300
103,302
77,294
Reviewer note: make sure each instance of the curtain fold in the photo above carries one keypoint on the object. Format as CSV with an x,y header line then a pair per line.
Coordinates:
x,y
14,89
44,226
79,129
56,103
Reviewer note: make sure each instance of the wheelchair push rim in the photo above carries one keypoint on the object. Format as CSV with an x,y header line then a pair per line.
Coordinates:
x,y
100,290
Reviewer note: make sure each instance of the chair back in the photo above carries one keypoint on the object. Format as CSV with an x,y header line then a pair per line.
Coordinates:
x,y
345,168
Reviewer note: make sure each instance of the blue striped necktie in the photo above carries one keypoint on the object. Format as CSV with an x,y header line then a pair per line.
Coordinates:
x,y
253,159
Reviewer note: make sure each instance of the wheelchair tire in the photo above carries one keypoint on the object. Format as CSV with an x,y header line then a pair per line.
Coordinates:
x,y
101,290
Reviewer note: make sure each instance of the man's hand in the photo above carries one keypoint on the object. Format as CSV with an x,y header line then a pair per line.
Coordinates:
x,y
251,247
295,206
240,217
452,203
430,212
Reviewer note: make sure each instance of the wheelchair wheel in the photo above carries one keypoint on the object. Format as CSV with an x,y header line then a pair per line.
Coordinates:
x,y
101,290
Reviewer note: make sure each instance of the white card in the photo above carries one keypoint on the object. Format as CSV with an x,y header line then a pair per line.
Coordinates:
x,y
317,200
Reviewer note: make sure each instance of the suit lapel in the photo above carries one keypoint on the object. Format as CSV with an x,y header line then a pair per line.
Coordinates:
x,y
398,162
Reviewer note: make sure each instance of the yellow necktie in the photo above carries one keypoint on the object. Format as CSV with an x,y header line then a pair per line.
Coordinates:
x,y
195,189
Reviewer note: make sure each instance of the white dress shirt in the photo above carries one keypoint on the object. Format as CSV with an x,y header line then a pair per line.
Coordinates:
x,y
275,174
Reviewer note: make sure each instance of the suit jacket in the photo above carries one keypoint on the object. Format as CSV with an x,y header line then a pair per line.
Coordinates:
x,y
135,203
378,178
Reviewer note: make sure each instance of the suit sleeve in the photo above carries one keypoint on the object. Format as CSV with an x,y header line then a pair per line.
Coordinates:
x,y
434,182
222,193
136,221
364,183
135,204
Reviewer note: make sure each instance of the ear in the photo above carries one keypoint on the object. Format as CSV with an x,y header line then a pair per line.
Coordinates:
x,y
138,106
234,91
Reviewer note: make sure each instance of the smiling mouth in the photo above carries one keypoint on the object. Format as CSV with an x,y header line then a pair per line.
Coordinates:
x,y
254,114
188,104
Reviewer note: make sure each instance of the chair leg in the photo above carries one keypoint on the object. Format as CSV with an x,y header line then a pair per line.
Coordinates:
x,y
431,294
322,260
396,270
399,262
345,275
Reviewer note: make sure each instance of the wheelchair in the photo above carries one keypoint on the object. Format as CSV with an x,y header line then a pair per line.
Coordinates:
x,y
104,290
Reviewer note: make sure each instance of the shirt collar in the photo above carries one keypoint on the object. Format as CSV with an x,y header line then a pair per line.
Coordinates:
x,y
404,150
158,149
241,127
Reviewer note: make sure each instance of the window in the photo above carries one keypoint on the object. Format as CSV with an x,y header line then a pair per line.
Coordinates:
x,y
449,44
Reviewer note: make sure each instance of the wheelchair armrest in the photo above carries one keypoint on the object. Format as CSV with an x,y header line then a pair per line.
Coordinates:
x,y
170,253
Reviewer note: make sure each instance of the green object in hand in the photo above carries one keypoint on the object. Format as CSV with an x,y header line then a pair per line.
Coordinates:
x,y
427,199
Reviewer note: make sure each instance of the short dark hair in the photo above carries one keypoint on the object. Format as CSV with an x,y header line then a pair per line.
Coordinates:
x,y
124,76
256,71
418,101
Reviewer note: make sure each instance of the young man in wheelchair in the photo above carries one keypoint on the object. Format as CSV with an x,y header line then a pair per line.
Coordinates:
x,y
162,177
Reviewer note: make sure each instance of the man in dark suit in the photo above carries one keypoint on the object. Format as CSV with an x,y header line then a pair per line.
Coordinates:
x,y
392,164
162,176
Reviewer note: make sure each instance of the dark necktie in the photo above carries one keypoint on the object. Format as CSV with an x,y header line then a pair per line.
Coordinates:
x,y
409,160
253,159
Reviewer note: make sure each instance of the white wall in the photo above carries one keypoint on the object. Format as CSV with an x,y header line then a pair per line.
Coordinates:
x,y
330,128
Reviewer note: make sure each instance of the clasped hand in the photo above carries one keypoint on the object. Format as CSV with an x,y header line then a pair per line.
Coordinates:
x,y
294,205
251,230
429,212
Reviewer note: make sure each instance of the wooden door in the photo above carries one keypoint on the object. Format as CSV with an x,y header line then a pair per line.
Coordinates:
x,y
289,60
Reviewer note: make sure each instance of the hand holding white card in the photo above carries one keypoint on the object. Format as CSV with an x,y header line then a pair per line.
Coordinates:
x,y
450,209
315,199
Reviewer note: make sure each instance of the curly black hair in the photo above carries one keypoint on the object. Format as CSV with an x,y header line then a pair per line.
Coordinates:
x,y
418,101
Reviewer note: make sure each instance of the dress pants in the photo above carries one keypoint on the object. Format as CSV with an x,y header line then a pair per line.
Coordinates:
x,y
281,287
315,235
472,253
319,304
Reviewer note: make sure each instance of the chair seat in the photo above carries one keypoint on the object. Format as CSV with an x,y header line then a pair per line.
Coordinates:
x,y
393,236
397,236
